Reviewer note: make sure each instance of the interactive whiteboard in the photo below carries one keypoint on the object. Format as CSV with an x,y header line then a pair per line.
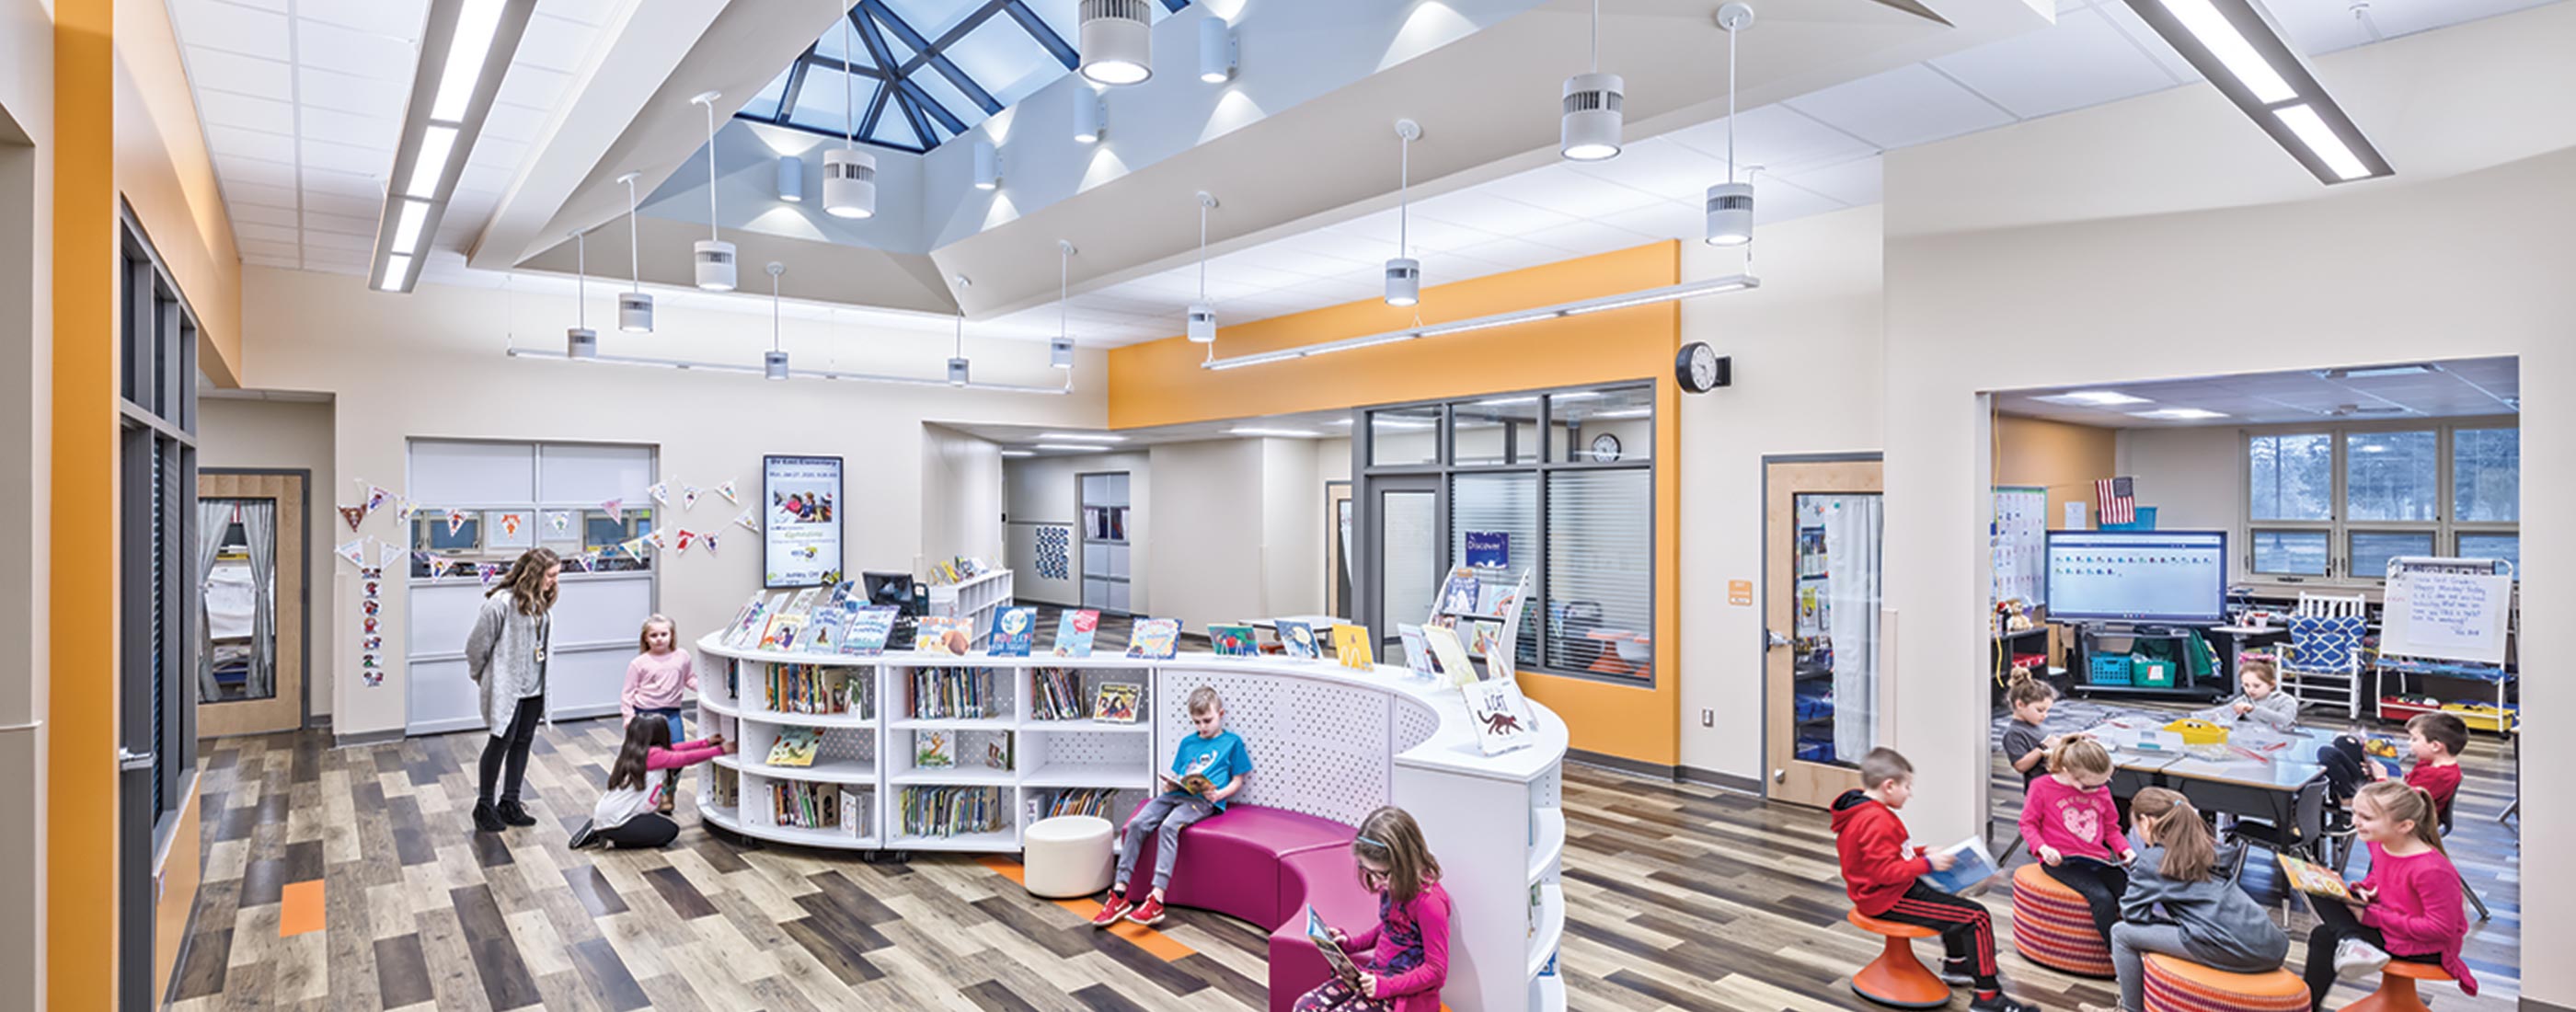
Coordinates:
x,y
2137,576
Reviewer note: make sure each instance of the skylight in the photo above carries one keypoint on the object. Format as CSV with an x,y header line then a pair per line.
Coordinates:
x,y
923,71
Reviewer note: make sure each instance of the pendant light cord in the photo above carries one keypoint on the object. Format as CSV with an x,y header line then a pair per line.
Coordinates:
x,y
1063,289
1596,36
580,274
1730,105
773,309
634,246
712,232
849,98
1404,200
1203,251
960,351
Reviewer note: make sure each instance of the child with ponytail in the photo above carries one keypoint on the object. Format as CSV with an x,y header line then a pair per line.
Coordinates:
x,y
2177,905
1404,958
2407,908
2074,828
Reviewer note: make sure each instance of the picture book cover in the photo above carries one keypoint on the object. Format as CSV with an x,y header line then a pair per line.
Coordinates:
x,y
1417,651
1502,717
742,619
2315,879
796,746
941,634
934,750
1154,639
1297,639
802,605
1462,593
1972,866
1115,702
1014,631
1074,631
839,596
1487,635
1351,645
823,632
1322,936
783,632
1234,641
864,633
1193,783
997,752
1450,655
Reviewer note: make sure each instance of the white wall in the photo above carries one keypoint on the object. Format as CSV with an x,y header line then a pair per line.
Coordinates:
x,y
1292,527
26,461
961,498
1208,563
1333,459
1807,380
290,435
431,365
1047,490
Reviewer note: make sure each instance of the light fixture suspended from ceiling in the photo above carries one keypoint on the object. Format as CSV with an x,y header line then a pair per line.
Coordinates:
x,y
849,174
579,340
1117,41
714,256
1090,116
988,166
774,364
1589,131
1404,273
1220,52
791,179
1060,350
1202,322
1730,204
2237,46
634,308
1580,307
957,358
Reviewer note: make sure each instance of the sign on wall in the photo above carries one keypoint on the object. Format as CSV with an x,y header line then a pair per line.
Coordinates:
x,y
1489,549
801,496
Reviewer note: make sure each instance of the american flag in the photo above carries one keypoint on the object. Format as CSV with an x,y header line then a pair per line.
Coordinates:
x,y
2116,500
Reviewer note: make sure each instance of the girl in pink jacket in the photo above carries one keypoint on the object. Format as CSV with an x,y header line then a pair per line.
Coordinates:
x,y
1404,960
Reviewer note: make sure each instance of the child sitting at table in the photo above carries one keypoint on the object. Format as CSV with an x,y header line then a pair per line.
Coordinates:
x,y
2074,829
2178,905
2262,701
2024,746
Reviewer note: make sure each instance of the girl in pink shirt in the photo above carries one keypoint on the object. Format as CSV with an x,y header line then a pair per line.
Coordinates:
x,y
2409,904
658,682
2074,828
1404,959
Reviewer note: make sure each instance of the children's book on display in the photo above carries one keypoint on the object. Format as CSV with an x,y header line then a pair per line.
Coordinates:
x,y
1154,639
1351,647
796,746
1014,630
941,634
1233,641
1417,651
1073,633
865,633
1115,702
1297,640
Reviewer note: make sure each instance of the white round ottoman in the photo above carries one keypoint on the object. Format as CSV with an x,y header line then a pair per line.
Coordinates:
x,y
1068,856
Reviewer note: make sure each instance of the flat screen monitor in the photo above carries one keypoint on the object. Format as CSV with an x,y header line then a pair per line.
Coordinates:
x,y
2138,576
895,589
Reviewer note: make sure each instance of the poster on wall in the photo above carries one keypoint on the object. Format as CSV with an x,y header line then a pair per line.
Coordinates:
x,y
801,497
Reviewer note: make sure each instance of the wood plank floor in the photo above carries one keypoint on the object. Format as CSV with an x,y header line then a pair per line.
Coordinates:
x,y
1681,897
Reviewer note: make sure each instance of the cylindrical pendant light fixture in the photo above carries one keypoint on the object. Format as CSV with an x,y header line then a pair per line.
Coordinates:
x,y
1218,51
1117,41
1090,116
791,179
1201,326
957,357
773,364
988,166
634,308
713,256
1403,272
1060,353
1590,128
579,340
1730,204
849,174
1060,350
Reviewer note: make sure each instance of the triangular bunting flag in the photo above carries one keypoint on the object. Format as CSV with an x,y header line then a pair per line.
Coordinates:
x,y
388,553
635,547
510,524
376,497
403,509
661,539
574,563
685,538
725,489
354,550
456,521
490,571
745,519
661,492
354,515
615,508
710,540
689,497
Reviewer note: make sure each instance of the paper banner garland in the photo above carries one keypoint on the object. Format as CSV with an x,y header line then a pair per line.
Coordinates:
x,y
489,571
456,521
510,523
371,670
376,496
616,510
403,509
661,537
634,547
559,521
689,496
661,492
725,489
745,519
685,537
710,540
388,553
355,515
354,550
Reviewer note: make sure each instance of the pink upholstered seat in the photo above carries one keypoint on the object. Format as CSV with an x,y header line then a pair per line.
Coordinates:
x,y
1230,861
1329,879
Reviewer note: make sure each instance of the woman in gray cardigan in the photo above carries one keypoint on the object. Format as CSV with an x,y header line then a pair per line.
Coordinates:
x,y
506,655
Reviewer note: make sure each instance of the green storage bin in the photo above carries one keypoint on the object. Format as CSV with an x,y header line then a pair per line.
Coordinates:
x,y
2151,672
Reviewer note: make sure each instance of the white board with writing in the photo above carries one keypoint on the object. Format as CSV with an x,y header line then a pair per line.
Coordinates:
x,y
2446,615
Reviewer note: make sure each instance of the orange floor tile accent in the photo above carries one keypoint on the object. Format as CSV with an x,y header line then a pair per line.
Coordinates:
x,y
1148,939
300,908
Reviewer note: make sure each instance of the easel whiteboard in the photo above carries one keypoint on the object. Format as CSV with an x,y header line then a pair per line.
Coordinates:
x,y
2446,609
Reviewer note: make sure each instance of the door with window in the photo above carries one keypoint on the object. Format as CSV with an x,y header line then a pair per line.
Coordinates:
x,y
251,559
1821,593
1404,537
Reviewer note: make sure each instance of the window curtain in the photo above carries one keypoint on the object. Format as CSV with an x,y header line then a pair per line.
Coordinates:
x,y
259,527
213,517
1851,549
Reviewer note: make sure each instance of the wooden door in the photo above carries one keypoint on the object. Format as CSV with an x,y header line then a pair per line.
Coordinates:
x,y
1821,596
254,693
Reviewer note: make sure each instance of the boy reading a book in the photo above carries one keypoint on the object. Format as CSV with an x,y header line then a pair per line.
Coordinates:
x,y
1207,768
1881,873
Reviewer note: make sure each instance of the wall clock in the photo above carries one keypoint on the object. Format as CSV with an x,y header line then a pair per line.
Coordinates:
x,y
1701,369
1605,448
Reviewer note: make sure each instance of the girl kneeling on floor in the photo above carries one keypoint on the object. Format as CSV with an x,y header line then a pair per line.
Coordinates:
x,y
626,815
1405,958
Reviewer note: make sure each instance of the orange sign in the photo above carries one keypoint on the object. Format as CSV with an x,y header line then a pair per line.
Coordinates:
x,y
1739,593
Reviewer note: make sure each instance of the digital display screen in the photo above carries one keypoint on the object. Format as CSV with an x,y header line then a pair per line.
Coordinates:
x,y
2137,576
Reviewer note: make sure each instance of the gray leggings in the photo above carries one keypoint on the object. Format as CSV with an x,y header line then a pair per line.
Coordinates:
x,y
2130,944
1164,816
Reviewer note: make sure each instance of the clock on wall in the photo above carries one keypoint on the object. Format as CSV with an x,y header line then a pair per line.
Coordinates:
x,y
1701,369
1605,448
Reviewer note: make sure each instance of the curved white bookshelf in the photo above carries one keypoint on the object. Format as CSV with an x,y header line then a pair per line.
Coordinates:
x,y
1550,845
1551,927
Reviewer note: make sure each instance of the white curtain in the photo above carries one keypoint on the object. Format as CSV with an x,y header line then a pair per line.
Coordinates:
x,y
1852,554
259,527
213,516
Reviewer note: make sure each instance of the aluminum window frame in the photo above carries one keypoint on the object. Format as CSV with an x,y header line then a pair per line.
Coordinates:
x,y
2340,527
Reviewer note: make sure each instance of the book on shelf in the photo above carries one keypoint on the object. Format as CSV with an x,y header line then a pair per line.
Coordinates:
x,y
1115,702
724,788
997,751
1503,719
953,811
1056,694
1154,639
782,632
934,750
1234,641
1297,640
802,605
954,694
822,633
1318,933
951,636
796,746
865,631
838,596
1014,630
747,622
1971,865
1417,652
854,811
1462,593
1488,636
1073,633
1351,646
1097,802
2315,879
1450,654
799,805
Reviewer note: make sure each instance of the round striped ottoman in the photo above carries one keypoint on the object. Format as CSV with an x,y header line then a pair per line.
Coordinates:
x,y
2053,928
2175,984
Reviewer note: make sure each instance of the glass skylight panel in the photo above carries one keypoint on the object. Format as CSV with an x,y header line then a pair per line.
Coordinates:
x,y
933,18
941,90
765,104
819,105
829,46
1003,58
893,129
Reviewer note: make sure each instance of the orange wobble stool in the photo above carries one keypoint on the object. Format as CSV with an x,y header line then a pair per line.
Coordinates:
x,y
2397,988
1896,977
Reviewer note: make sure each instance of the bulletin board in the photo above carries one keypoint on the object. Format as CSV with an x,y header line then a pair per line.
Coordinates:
x,y
2446,609
2017,536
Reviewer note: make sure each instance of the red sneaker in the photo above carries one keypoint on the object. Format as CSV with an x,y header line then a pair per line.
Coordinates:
x,y
1111,911
1148,913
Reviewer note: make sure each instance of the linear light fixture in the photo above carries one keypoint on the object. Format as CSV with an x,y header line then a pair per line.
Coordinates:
x,y
2178,414
2236,45
756,369
1018,453
465,49
2094,398
1276,433
2378,371
1071,448
1081,437
1669,293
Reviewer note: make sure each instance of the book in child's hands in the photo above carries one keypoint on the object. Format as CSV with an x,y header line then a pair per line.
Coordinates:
x,y
1194,783
1074,632
1234,640
2315,879
864,634
1115,702
1971,866
934,750
1154,639
1014,629
796,746
940,634
1297,640
1322,936
1351,647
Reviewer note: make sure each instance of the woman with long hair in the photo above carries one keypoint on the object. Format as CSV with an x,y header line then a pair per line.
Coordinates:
x,y
506,655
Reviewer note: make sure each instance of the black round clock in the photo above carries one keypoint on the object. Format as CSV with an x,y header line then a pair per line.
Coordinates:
x,y
1699,369
1605,448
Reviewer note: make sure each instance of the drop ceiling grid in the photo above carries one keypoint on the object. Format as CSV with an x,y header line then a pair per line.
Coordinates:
x,y
2463,388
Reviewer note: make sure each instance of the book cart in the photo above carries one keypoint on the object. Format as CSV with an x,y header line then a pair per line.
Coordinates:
x,y
922,752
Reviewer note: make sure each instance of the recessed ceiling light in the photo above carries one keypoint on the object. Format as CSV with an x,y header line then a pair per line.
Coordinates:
x,y
1625,413
2093,398
1281,433
1070,448
2179,414
2378,371
1081,437
1499,402
1018,453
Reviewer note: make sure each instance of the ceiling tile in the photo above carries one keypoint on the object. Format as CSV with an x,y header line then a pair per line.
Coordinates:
x,y
244,212
343,204
514,123
595,13
266,233
534,87
248,75
318,241
2147,41
1777,200
236,142
1772,136
556,43
325,46
2082,61
1906,106
224,108
1477,209
268,248
1513,254
1854,183
397,19
353,129
366,96
343,223
1672,219
1565,191
2403,18
232,28
497,152
356,161
1660,167
235,169
1584,238
259,193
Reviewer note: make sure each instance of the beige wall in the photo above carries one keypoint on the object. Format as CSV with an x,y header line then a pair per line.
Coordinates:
x,y
26,329
1208,563
1333,459
289,435
2061,457
1047,489
961,498
430,365
1806,352
2189,475
165,174
1292,528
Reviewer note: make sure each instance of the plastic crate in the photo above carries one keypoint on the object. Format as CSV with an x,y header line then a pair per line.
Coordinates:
x,y
2109,669
2151,671
2482,716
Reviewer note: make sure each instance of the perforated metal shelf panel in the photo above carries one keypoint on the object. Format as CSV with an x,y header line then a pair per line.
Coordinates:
x,y
1317,748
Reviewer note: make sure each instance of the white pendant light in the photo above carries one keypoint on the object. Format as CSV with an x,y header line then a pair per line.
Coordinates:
x,y
1060,350
1730,204
634,308
773,365
1117,41
1219,51
714,256
957,357
1202,322
1404,273
791,179
579,340
1590,129
988,166
849,174
1090,116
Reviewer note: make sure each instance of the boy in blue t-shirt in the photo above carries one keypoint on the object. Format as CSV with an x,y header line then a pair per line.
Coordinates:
x,y
1213,753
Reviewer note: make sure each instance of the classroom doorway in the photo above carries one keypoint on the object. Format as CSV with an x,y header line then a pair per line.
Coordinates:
x,y
1821,538
1403,535
252,547
1338,516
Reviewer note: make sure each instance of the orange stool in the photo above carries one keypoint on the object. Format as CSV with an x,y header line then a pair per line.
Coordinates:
x,y
2175,984
2397,988
1896,977
2053,928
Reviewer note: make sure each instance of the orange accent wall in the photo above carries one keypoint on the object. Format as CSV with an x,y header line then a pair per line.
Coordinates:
x,y
165,174
1161,383
80,785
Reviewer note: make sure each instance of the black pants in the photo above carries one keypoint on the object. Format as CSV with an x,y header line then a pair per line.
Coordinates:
x,y
650,829
1967,931
510,749
2100,884
2336,922
2347,767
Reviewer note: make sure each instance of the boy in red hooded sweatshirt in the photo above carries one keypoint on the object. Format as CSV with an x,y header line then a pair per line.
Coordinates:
x,y
1881,873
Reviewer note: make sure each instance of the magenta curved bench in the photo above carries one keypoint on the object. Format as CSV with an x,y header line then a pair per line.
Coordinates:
x,y
1264,865
1330,880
